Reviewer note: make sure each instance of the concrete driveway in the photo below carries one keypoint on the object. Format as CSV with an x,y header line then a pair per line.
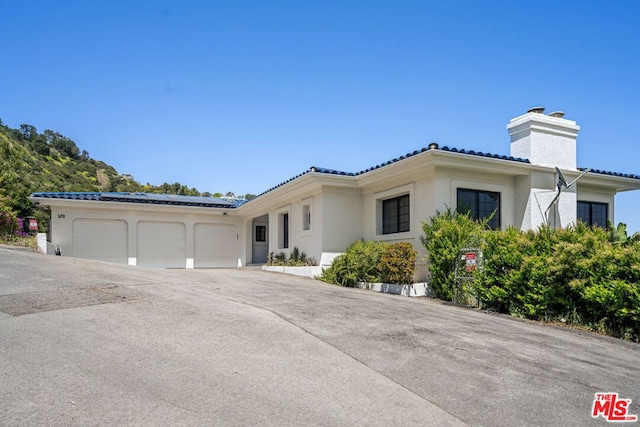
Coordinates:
x,y
90,343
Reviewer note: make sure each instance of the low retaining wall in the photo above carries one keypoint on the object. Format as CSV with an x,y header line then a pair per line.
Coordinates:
x,y
295,271
44,246
413,290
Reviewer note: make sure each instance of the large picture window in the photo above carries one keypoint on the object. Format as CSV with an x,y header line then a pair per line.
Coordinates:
x,y
480,205
593,213
395,215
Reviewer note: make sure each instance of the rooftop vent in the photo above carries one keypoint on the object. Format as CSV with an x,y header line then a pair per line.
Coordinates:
x,y
558,114
433,146
537,110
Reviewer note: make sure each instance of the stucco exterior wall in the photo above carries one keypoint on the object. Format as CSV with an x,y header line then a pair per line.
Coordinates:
x,y
544,140
448,181
306,235
421,190
64,215
341,218
586,193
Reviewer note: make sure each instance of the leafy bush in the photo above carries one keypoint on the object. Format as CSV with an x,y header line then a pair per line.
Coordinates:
x,y
358,264
11,227
579,275
576,275
296,259
444,235
372,262
9,221
503,259
397,263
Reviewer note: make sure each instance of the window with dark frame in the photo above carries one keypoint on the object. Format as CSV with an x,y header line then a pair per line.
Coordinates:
x,y
285,231
395,215
480,204
261,233
593,213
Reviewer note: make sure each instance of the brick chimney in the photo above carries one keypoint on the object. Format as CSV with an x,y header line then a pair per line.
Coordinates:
x,y
546,140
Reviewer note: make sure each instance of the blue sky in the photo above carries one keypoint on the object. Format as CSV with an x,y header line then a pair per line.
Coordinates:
x,y
242,95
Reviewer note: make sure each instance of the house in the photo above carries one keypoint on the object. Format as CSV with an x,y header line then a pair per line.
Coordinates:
x,y
322,211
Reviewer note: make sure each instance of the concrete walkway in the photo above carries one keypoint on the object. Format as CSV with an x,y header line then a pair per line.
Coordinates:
x,y
89,343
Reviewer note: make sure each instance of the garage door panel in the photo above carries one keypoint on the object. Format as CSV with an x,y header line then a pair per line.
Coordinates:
x,y
215,246
100,239
161,244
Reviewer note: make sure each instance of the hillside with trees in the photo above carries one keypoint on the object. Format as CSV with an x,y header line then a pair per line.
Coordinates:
x,y
31,161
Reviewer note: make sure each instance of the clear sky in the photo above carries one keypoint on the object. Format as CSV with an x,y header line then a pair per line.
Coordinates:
x,y
242,95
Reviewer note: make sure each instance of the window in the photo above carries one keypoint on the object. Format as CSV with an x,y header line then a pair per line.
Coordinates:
x,y
395,215
306,217
261,233
480,205
284,230
593,213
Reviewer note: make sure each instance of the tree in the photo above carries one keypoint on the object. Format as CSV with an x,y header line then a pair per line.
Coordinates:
x,y
11,164
618,236
249,196
66,146
28,131
8,218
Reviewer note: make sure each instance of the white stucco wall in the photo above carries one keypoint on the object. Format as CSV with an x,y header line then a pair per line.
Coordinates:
x,y
308,240
64,213
341,218
544,140
448,181
421,190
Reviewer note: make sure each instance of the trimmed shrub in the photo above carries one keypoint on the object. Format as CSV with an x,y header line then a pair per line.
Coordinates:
x,y
358,264
579,275
576,276
444,235
397,263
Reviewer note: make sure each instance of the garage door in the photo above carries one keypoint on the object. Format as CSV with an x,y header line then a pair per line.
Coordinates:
x,y
161,244
215,245
100,239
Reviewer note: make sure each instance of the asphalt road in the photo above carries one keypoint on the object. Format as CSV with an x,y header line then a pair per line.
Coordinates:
x,y
90,343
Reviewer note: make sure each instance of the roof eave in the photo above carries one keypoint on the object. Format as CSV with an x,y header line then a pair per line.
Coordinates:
x,y
99,204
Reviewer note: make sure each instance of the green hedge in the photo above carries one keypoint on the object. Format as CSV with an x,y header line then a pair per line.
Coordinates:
x,y
579,275
444,236
397,263
372,262
574,275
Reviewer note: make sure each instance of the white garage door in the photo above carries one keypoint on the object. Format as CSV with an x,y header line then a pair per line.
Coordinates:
x,y
161,244
100,239
215,245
